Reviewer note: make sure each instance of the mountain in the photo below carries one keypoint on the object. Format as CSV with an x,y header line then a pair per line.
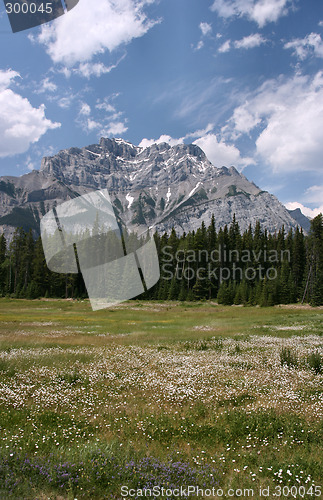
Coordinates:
x,y
301,219
160,186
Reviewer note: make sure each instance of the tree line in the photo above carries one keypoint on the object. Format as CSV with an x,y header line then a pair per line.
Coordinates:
x,y
230,266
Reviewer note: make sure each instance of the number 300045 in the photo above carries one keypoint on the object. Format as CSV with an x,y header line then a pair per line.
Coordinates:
x,y
29,8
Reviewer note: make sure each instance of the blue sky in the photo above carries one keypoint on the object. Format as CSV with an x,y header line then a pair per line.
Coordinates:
x,y
243,79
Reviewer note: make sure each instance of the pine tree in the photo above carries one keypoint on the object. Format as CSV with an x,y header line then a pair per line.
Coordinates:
x,y
267,297
315,260
286,285
201,287
298,252
174,288
242,293
211,235
3,249
16,251
226,294
183,291
234,235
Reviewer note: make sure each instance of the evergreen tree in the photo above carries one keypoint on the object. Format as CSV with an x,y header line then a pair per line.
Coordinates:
x,y
226,294
3,249
201,287
314,285
23,270
211,235
174,289
17,246
183,291
298,258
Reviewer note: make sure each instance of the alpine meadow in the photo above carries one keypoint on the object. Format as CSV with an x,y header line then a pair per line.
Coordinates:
x,y
161,249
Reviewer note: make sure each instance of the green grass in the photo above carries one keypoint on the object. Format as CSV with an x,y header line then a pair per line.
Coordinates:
x,y
59,322
158,393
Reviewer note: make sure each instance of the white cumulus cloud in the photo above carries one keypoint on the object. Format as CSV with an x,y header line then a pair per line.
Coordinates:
x,y
225,47
172,142
6,77
260,11
93,27
206,29
286,116
145,143
249,42
46,85
85,109
220,153
20,123
303,47
88,69
114,129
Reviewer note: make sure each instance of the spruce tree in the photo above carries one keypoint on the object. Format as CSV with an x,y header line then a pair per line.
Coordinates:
x,y
315,258
3,249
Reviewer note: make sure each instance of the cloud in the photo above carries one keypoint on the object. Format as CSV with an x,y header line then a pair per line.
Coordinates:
x,y
199,46
94,69
286,117
309,212
92,124
312,44
260,11
220,153
94,27
246,118
225,47
31,165
7,77
105,105
114,129
105,119
46,85
66,102
314,194
20,123
88,69
206,28
145,143
85,109
201,132
217,151
172,142
248,42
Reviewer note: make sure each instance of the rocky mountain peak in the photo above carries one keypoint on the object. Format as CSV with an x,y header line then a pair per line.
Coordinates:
x,y
117,147
161,186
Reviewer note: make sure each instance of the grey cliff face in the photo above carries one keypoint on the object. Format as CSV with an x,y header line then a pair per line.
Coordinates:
x,y
159,186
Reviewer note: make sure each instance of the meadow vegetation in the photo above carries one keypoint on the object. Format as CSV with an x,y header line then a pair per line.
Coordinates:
x,y
158,393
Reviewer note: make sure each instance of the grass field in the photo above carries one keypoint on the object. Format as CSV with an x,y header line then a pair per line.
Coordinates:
x,y
229,399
